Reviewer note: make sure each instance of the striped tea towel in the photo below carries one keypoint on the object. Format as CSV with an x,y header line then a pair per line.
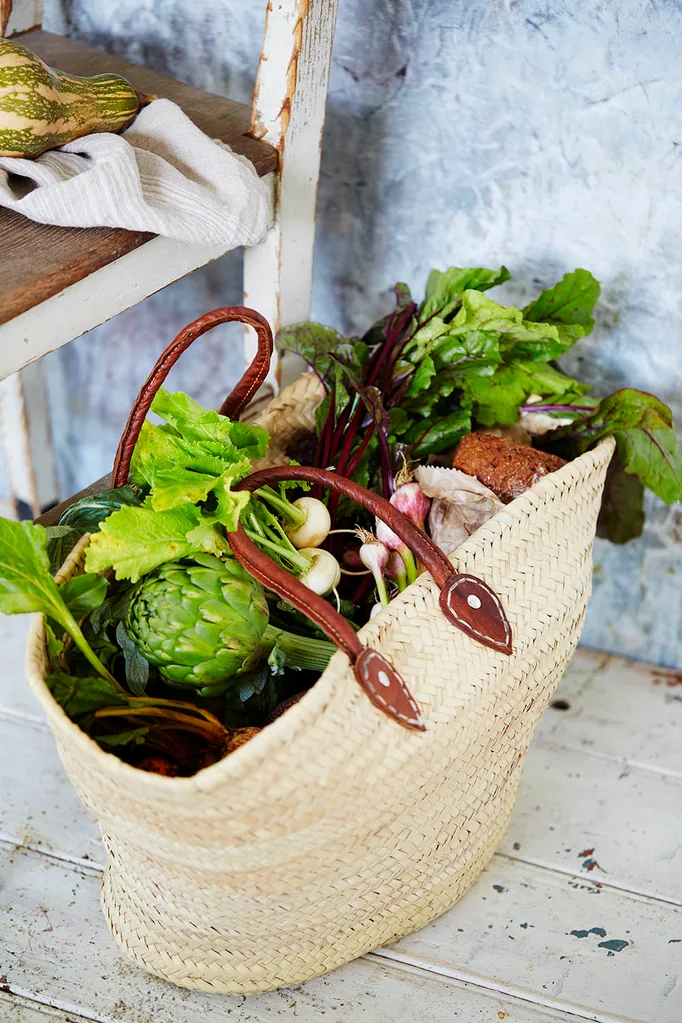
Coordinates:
x,y
162,175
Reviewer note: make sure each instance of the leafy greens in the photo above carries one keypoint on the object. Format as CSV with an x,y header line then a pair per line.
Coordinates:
x,y
647,455
185,470
426,375
26,585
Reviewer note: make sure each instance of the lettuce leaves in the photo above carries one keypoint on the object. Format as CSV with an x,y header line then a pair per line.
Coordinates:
x,y
185,468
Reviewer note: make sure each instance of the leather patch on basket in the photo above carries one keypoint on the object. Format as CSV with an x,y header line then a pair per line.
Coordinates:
x,y
386,689
475,608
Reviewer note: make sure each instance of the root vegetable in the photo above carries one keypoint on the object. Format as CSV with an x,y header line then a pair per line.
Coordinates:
x,y
374,556
396,570
314,528
410,499
324,572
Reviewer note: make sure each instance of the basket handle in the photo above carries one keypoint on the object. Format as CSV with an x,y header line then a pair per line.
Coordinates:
x,y
466,601
234,404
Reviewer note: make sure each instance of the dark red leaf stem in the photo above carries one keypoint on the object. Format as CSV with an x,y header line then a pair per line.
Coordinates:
x,y
344,432
355,460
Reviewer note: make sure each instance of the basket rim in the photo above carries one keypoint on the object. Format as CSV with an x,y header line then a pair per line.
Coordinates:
x,y
287,726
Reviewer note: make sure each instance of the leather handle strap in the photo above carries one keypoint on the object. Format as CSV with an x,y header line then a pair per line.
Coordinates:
x,y
234,404
421,545
467,602
374,672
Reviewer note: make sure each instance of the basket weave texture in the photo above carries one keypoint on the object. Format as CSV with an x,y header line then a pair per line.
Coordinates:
x,y
335,830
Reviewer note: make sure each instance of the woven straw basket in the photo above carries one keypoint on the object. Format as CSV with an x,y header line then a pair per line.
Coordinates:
x,y
335,830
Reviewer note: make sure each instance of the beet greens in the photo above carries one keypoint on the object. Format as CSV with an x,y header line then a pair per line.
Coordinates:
x,y
425,375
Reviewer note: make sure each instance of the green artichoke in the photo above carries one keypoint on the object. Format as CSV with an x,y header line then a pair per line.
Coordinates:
x,y
200,622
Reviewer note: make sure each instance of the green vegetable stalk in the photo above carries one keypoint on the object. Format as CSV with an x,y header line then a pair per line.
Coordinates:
x,y
287,649
26,585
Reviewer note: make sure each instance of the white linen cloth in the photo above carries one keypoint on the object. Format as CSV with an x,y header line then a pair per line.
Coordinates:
x,y
162,174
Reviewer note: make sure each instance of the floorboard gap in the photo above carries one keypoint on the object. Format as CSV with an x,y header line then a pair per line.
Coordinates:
x,y
577,1012
623,889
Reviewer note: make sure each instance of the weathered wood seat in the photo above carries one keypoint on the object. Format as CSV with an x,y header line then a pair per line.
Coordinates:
x,y
38,261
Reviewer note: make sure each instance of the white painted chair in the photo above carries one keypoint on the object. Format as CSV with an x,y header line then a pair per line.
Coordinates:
x,y
58,283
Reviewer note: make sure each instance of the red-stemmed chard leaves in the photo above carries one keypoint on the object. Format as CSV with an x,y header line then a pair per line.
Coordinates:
x,y
424,376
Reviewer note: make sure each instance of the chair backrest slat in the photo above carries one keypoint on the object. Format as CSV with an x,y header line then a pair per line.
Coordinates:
x,y
288,112
19,16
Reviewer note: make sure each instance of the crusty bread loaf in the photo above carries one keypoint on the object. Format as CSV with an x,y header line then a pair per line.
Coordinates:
x,y
505,468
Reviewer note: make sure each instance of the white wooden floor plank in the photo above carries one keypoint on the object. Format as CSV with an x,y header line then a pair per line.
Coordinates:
x,y
562,940
612,822
55,948
619,708
21,1010
15,695
39,808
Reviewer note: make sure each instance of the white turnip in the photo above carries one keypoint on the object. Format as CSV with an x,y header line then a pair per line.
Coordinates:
x,y
315,526
323,574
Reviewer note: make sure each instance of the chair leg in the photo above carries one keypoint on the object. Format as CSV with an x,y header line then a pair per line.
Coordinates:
x,y
26,440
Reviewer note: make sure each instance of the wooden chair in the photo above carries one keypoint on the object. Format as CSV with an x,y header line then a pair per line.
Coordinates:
x,y
57,283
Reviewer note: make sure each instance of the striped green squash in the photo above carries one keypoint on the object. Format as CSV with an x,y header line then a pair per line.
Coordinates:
x,y
41,108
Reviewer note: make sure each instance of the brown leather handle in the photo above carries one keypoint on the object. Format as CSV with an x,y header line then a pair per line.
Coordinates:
x,y
234,404
421,545
466,601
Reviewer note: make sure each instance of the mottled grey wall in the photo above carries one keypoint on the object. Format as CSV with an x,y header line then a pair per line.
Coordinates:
x,y
543,134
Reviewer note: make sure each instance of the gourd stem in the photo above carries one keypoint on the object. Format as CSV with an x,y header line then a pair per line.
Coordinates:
x,y
145,98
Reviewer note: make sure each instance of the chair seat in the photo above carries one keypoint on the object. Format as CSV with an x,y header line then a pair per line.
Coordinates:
x,y
38,261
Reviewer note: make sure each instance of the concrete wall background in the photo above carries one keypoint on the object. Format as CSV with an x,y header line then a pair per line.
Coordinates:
x,y
539,133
